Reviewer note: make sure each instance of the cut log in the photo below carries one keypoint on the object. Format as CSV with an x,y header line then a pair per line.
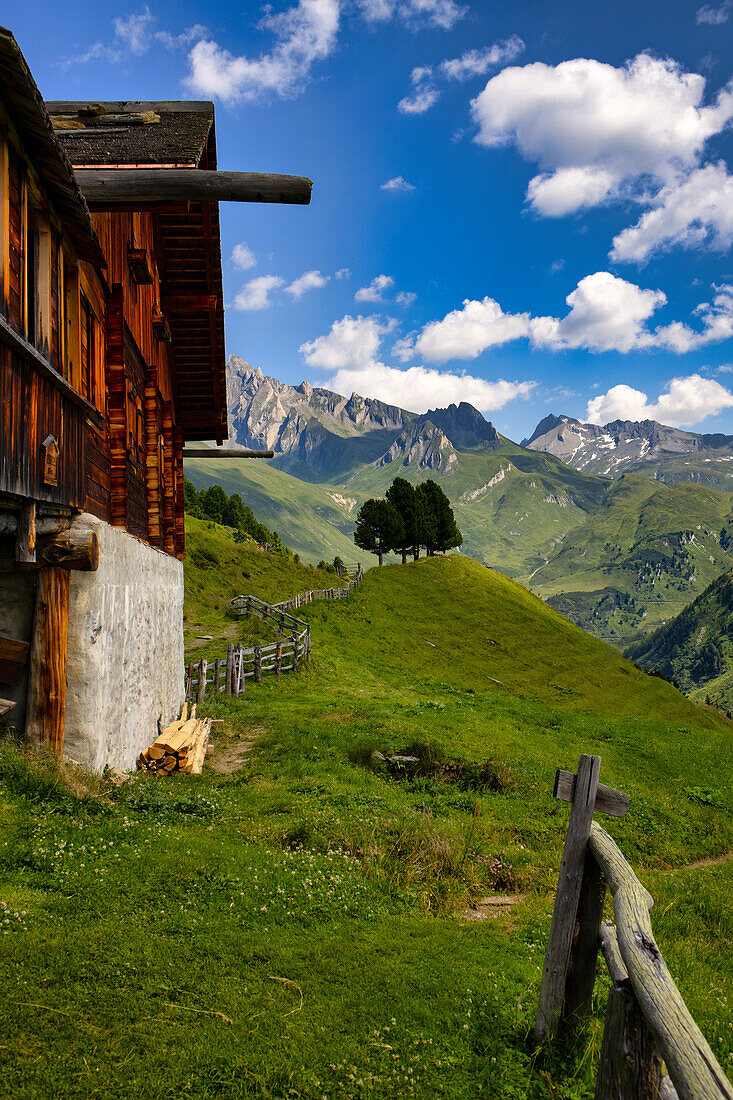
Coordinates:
x,y
107,187
75,548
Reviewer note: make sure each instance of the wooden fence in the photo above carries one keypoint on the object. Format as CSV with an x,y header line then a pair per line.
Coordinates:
x,y
228,675
648,1026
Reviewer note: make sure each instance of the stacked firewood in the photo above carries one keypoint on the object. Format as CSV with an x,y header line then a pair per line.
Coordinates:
x,y
181,746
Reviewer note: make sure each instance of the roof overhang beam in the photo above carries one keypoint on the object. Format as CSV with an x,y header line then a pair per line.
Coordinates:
x,y
131,186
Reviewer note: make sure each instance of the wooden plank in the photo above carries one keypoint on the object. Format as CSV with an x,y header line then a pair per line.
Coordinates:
x,y
13,656
202,681
584,955
629,1067
25,538
6,705
570,879
608,800
691,1064
108,187
46,709
612,955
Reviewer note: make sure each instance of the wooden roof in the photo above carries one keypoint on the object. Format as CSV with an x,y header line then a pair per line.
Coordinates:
x,y
25,107
135,134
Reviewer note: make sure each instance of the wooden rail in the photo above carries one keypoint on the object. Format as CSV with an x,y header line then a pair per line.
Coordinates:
x,y
648,1027
229,675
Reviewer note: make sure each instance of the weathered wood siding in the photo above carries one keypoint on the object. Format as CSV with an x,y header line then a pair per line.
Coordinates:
x,y
31,409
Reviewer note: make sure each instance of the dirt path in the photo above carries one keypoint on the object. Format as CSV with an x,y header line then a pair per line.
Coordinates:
x,y
230,751
709,861
496,906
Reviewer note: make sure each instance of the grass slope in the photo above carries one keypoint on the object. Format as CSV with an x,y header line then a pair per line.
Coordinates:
x,y
696,649
289,929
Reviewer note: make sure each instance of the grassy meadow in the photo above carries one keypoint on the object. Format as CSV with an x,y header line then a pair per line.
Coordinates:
x,y
293,923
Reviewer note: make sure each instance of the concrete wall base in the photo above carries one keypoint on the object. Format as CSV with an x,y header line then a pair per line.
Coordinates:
x,y
125,664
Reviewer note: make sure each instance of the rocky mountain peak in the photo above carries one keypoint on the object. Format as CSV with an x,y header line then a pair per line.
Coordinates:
x,y
424,445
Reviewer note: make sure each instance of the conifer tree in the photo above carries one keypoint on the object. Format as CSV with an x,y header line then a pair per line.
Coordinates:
x,y
379,527
441,531
402,495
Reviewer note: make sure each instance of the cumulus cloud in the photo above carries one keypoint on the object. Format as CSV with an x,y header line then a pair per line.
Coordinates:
x,y
343,273
440,14
478,62
352,348
465,333
425,92
686,402
304,35
243,257
405,298
695,213
606,313
309,280
714,16
598,132
256,293
398,183
374,292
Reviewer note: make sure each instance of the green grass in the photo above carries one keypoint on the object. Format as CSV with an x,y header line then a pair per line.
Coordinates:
x,y
292,928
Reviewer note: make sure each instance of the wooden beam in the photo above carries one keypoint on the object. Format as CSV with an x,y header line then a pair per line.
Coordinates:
x,y
224,452
25,538
75,548
570,879
608,800
127,186
47,680
187,303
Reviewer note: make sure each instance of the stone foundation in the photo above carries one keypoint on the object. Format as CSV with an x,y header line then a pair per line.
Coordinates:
x,y
125,664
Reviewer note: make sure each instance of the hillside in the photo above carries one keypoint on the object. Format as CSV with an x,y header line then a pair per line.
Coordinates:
x,y
696,648
625,446
296,921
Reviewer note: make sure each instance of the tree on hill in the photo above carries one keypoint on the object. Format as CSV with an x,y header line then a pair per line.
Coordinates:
x,y
401,494
379,527
214,502
440,531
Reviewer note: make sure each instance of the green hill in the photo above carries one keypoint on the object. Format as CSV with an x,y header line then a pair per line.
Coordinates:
x,y
292,925
617,557
696,648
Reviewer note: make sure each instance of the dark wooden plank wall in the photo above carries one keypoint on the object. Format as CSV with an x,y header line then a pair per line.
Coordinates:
x,y
55,302
31,408
15,233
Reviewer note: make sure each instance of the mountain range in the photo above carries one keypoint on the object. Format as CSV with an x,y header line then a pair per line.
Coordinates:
x,y
620,552
644,446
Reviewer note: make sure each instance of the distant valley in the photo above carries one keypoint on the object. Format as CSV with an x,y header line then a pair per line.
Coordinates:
x,y
613,545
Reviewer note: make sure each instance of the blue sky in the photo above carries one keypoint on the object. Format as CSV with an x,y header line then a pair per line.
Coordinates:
x,y
532,153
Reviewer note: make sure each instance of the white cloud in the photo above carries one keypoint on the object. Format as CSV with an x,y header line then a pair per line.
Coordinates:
x,y
421,388
599,132
478,62
606,313
309,280
256,293
398,183
714,16
465,333
697,212
134,31
687,401
305,34
351,349
243,257
374,292
352,342
405,297
343,273
440,14
425,94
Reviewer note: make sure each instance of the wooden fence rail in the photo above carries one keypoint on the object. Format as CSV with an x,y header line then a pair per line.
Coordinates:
x,y
648,1027
229,675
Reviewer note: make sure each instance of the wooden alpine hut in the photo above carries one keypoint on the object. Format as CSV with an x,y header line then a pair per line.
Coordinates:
x,y
112,358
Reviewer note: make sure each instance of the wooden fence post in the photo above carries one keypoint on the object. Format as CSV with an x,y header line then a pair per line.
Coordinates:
x,y
190,681
228,682
236,670
202,680
295,651
582,974
258,664
217,665
570,880
279,659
